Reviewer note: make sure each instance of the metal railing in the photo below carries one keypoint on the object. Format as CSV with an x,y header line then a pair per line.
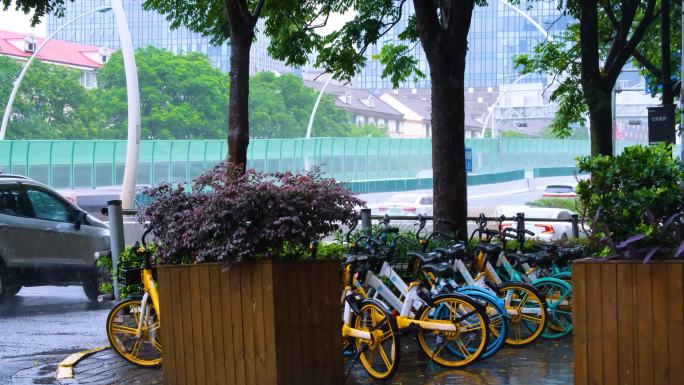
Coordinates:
x,y
520,219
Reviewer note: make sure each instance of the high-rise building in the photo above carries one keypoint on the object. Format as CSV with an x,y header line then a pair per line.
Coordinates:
x,y
149,28
498,32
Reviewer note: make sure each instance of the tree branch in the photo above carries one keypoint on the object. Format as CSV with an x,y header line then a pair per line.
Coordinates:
x,y
257,11
650,67
428,23
390,25
616,67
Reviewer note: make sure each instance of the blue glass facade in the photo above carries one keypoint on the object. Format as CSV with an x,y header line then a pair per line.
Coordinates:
x,y
497,34
150,28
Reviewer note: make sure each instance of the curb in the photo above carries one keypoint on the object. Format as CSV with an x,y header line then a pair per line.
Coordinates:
x,y
65,370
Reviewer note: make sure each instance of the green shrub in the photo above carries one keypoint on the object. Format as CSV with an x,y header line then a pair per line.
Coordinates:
x,y
131,257
625,193
558,203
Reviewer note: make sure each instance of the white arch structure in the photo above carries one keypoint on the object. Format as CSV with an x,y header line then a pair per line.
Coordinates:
x,y
544,33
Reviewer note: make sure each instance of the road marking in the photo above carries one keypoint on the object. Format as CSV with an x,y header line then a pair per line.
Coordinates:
x,y
65,369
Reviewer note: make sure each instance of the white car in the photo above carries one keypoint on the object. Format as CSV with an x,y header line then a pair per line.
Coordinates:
x,y
547,231
405,204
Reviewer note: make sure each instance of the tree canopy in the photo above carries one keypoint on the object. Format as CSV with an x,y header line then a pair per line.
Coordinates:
x,y
182,97
585,63
280,107
48,103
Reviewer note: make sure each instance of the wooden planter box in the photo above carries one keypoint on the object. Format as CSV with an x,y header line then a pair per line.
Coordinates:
x,y
256,323
628,322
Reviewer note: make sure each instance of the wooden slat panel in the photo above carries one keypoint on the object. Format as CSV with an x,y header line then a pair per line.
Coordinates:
x,y
248,324
196,329
594,331
609,322
167,335
258,319
644,311
235,272
178,335
287,312
217,324
579,292
229,360
675,289
271,370
317,286
660,324
282,322
296,304
308,338
207,326
186,315
625,324
331,314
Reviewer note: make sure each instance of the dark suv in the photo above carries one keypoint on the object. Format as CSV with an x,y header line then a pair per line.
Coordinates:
x,y
45,240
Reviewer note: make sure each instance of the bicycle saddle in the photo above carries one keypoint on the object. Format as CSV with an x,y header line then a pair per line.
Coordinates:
x,y
454,251
540,258
490,249
438,270
425,258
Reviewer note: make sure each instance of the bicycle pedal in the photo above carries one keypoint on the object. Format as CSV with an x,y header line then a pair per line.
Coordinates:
x,y
105,297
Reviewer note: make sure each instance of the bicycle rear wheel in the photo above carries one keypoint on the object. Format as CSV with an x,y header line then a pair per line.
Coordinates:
x,y
380,355
123,324
527,312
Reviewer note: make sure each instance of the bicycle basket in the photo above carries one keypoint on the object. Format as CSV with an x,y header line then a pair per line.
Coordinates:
x,y
130,272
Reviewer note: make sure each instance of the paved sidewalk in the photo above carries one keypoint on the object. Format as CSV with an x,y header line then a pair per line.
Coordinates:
x,y
546,362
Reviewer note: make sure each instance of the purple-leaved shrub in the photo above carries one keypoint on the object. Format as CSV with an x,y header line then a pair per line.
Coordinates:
x,y
226,216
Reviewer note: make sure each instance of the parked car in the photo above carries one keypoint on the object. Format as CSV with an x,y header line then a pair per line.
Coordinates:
x,y
45,239
547,231
559,191
405,204
93,201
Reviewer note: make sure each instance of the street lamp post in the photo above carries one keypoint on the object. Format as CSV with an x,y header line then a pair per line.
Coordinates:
x,y
17,83
133,95
133,92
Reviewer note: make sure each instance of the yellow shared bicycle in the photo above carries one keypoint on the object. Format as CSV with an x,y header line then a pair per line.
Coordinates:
x,y
133,325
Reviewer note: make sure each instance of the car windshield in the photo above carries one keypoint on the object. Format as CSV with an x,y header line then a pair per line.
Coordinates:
x,y
402,198
559,189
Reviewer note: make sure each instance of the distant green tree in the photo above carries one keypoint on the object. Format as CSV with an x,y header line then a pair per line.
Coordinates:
x,y
280,107
48,103
181,96
369,131
513,134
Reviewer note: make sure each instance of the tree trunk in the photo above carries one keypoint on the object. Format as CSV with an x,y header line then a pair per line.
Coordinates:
x,y
596,88
443,29
238,110
448,143
599,102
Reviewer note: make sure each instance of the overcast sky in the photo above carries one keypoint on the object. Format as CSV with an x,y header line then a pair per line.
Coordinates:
x,y
14,21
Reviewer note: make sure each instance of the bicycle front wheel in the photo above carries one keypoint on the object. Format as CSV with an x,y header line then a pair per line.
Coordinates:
x,y
133,335
380,355
458,347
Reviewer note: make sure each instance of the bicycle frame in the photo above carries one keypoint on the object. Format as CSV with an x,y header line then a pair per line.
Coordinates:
x,y
151,293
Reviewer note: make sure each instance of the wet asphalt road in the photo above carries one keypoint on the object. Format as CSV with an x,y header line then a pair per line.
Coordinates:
x,y
42,326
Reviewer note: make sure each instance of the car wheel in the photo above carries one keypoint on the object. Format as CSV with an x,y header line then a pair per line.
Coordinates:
x,y
7,288
91,286
564,237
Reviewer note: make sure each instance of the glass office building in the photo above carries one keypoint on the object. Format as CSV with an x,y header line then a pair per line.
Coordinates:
x,y
498,33
151,28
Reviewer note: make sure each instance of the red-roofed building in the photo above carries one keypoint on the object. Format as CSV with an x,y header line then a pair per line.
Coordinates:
x,y
86,58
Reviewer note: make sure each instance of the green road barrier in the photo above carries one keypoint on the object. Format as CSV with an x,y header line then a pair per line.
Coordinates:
x,y
67,164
